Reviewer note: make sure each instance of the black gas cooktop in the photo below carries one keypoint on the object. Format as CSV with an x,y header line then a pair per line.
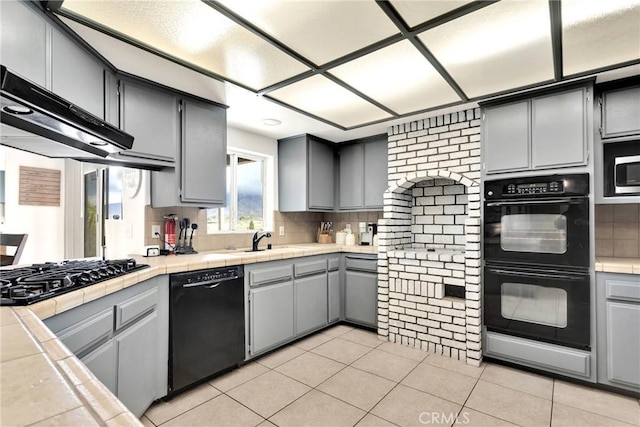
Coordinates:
x,y
28,285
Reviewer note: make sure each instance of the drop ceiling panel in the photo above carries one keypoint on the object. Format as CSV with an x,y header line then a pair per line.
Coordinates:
x,y
318,30
597,34
398,77
417,12
194,32
500,47
321,97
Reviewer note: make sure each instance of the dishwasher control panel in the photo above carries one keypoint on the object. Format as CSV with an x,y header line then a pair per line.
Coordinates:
x,y
209,275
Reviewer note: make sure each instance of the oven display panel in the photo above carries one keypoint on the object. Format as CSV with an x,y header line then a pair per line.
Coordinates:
x,y
534,188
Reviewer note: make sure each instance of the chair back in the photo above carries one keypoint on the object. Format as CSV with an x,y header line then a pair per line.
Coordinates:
x,y
17,241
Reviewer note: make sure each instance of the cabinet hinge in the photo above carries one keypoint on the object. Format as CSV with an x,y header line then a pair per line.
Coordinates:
x,y
600,101
180,107
483,116
600,130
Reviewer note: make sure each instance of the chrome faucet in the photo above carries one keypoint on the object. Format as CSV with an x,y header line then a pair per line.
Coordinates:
x,y
259,235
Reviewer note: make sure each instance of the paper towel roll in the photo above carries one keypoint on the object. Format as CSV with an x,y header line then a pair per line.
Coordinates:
x,y
341,237
350,239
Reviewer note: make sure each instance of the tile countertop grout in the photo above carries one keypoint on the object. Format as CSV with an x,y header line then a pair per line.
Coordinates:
x,y
87,401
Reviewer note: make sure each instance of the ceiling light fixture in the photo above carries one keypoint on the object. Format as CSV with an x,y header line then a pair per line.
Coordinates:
x,y
271,122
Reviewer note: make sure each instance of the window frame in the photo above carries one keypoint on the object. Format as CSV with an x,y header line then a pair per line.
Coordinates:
x,y
232,204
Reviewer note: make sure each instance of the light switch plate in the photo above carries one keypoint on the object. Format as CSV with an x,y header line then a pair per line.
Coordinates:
x,y
281,231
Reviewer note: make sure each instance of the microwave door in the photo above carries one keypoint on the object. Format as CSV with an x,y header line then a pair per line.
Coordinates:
x,y
627,175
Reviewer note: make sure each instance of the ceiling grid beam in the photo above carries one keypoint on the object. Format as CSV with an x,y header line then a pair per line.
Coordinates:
x,y
555,15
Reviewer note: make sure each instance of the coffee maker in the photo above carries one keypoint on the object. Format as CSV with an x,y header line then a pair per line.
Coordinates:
x,y
367,233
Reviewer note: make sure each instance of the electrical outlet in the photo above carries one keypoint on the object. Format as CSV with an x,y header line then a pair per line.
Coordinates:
x,y
281,231
155,229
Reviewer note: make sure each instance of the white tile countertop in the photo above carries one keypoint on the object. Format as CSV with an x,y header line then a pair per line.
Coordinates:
x,y
618,265
42,381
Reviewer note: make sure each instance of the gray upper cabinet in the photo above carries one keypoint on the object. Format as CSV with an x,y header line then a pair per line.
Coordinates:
x,y
204,153
199,176
621,112
559,129
306,169
363,174
505,132
376,161
23,41
351,176
76,75
543,132
151,116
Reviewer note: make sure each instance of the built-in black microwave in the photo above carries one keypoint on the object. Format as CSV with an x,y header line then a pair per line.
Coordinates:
x,y
622,168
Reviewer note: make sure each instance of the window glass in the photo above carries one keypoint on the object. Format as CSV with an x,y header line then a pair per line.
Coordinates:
x,y
540,233
534,304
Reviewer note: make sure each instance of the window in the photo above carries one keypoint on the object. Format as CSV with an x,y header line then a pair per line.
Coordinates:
x,y
246,201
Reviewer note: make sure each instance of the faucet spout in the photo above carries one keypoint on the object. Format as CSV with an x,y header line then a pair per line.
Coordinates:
x,y
259,235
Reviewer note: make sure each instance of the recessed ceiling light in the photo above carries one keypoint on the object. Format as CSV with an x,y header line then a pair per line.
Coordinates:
x,y
271,122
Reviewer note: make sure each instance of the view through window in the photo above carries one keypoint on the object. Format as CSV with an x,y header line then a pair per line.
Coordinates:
x,y
245,196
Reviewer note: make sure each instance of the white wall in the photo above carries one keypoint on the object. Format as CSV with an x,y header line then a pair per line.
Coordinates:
x,y
44,224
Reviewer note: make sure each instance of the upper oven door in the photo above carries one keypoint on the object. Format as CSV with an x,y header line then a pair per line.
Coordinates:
x,y
538,231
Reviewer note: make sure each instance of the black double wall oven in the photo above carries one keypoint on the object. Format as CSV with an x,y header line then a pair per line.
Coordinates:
x,y
536,251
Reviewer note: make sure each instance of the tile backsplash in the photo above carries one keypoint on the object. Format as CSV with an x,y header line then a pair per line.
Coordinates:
x,y
618,230
299,227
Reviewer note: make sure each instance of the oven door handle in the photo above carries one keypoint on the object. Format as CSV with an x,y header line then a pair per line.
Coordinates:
x,y
569,200
540,275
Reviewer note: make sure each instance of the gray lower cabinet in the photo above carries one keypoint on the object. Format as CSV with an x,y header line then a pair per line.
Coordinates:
x,y
618,314
123,339
621,112
199,177
311,303
361,290
151,116
76,75
271,316
306,169
333,290
542,132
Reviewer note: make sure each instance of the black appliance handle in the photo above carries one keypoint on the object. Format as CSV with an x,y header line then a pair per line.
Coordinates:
x,y
521,202
545,275
209,283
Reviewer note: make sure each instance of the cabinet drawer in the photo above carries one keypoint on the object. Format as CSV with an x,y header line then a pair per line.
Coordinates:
x,y
334,264
362,264
133,308
270,275
623,289
81,336
310,267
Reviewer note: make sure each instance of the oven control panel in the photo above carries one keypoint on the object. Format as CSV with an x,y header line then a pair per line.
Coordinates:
x,y
552,187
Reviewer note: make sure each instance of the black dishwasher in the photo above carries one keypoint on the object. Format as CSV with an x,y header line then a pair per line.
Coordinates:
x,y
206,324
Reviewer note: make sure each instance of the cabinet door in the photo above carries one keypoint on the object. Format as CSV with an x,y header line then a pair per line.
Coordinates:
x,y
76,75
102,363
292,174
311,303
137,371
505,135
351,175
271,309
151,116
361,297
376,160
321,175
621,112
204,153
334,296
23,41
559,129
623,343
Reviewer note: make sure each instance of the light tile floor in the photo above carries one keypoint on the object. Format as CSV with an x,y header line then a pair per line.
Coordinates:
x,y
345,377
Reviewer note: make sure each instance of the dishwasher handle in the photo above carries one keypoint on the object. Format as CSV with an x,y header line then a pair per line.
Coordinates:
x,y
209,283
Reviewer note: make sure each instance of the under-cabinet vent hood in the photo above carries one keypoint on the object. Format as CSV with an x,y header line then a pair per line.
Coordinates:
x,y
53,126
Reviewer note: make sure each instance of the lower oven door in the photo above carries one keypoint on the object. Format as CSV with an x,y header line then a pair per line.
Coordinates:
x,y
546,305
548,232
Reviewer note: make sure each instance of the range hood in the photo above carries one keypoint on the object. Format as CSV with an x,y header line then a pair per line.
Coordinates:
x,y
53,126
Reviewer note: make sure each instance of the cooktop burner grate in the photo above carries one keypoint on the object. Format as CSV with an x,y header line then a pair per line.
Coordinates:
x,y
27,285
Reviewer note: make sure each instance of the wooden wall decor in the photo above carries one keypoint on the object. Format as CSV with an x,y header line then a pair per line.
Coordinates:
x,y
39,187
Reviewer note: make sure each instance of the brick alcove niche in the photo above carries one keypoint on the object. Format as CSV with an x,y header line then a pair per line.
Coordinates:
x,y
429,239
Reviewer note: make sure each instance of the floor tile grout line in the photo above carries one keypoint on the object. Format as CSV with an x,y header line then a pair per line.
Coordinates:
x,y
553,389
192,408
